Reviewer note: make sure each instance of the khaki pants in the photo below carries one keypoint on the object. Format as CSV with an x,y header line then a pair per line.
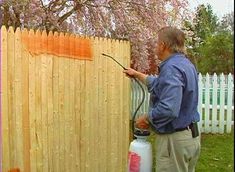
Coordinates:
x,y
177,152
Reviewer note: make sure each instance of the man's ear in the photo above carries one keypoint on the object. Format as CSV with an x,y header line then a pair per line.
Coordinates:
x,y
164,46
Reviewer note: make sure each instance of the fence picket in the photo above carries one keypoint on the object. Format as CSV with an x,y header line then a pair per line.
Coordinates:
x,y
126,107
32,107
44,110
11,97
38,96
56,101
221,111
200,100
214,105
5,118
72,118
67,117
229,103
25,105
62,111
18,98
207,104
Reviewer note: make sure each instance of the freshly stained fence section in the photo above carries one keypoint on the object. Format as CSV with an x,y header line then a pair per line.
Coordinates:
x,y
61,113
215,105
64,45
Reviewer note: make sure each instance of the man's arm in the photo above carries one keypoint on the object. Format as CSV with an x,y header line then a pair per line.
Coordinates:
x,y
135,74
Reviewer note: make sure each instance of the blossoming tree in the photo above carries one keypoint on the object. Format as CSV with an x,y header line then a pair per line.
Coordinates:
x,y
137,21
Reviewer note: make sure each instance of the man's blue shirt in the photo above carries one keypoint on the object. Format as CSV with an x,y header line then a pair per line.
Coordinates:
x,y
173,95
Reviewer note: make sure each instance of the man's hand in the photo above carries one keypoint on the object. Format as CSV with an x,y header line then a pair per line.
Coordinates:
x,y
142,122
131,72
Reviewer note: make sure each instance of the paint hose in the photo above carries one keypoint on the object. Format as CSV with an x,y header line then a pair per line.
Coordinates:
x,y
142,89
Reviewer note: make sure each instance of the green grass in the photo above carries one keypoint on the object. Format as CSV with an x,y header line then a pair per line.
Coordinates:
x,y
217,153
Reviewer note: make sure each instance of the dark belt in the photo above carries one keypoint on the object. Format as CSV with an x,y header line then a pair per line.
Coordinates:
x,y
182,129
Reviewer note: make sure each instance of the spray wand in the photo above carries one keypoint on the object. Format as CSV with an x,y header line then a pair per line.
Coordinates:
x,y
142,89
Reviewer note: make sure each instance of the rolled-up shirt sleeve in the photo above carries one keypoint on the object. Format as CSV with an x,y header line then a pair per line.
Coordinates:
x,y
170,93
151,82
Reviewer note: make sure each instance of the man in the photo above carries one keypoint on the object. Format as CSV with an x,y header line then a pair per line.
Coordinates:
x,y
173,111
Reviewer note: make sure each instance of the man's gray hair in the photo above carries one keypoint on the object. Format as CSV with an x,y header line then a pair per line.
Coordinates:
x,y
173,38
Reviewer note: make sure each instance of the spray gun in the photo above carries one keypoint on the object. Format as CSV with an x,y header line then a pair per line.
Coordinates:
x,y
136,131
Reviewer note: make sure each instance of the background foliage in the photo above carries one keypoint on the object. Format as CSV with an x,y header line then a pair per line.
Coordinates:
x,y
210,46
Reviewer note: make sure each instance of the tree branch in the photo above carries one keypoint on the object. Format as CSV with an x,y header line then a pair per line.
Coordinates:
x,y
66,15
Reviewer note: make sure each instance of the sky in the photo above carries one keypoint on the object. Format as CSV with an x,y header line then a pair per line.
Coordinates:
x,y
220,7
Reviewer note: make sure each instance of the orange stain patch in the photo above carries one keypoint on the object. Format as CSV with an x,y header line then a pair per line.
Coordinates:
x,y
70,46
14,170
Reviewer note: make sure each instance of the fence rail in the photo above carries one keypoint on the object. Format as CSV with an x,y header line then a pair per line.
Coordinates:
x,y
216,102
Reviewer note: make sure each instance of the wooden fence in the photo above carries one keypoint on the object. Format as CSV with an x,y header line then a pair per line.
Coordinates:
x,y
60,112
216,102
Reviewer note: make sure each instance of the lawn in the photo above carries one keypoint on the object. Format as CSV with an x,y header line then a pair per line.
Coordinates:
x,y
217,153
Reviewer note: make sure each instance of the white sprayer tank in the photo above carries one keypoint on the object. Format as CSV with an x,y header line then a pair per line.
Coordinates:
x,y
140,155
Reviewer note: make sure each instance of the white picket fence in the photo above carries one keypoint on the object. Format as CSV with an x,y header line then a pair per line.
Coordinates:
x,y
216,102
